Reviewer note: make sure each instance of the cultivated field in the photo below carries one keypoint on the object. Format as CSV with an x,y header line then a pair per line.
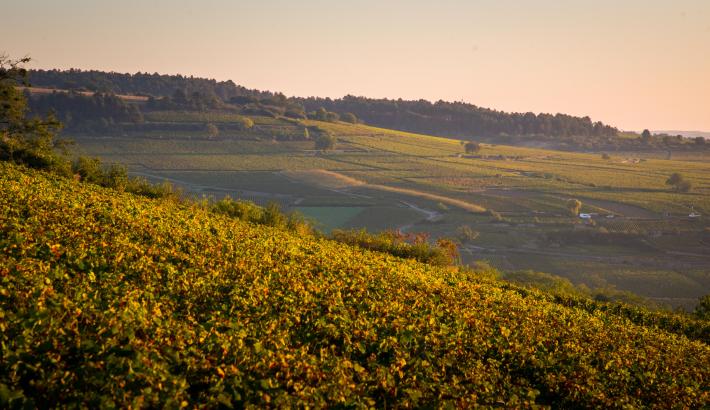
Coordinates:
x,y
113,300
640,237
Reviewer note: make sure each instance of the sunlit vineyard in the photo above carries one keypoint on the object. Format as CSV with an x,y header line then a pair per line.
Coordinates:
x,y
622,178
527,188
112,300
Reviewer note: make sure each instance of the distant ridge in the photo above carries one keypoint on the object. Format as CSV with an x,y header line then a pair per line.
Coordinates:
x,y
440,118
686,134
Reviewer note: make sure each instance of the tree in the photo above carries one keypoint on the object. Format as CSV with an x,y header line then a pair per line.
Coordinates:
x,y
349,117
321,114
450,251
244,123
678,182
646,136
466,234
699,140
332,116
14,106
574,206
32,142
180,97
325,141
273,216
702,310
674,179
472,147
212,130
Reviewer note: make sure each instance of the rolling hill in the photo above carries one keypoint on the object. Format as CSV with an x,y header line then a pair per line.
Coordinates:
x,y
380,179
215,139
113,300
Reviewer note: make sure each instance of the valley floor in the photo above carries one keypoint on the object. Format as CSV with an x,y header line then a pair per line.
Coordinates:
x,y
640,238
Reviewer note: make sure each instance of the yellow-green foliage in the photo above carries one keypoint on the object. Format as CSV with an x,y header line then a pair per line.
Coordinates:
x,y
110,299
411,246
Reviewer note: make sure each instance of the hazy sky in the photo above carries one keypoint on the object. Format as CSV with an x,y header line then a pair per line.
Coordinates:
x,y
631,63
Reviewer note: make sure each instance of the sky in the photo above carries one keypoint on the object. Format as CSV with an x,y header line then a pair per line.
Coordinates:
x,y
631,63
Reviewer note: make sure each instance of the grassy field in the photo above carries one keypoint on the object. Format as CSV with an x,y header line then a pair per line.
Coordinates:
x,y
524,192
113,300
327,218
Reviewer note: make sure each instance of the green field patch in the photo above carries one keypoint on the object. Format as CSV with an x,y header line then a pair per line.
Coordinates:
x,y
328,218
381,218
241,180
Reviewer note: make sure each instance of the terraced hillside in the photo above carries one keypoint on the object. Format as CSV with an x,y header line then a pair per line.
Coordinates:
x,y
107,299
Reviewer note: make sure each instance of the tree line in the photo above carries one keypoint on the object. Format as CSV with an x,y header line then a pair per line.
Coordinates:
x,y
449,119
81,112
440,118
458,119
156,85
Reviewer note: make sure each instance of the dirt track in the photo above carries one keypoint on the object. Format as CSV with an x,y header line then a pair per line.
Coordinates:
x,y
334,180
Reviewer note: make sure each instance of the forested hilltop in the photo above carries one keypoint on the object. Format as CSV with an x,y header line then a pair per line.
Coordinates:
x,y
452,119
460,119
157,85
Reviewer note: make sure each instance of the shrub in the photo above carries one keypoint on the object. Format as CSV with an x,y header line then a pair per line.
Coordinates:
x,y
496,216
544,281
414,246
92,170
574,206
678,182
211,130
242,210
271,215
295,113
472,147
702,310
325,141
482,270
244,123
89,169
143,187
466,234
349,117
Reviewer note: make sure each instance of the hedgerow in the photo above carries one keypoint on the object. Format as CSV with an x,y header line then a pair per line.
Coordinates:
x,y
414,246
